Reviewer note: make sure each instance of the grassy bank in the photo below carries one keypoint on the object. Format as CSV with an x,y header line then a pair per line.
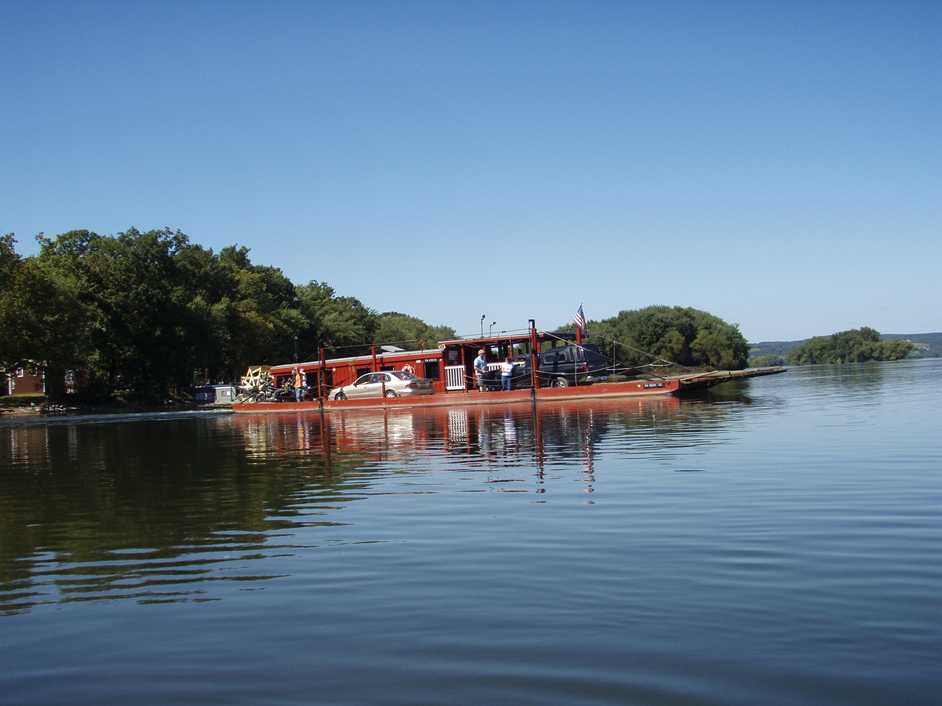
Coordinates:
x,y
14,401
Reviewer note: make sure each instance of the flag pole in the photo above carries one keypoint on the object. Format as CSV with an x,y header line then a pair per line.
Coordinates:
x,y
580,320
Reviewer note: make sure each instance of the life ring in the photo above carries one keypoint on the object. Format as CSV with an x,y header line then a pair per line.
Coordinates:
x,y
407,368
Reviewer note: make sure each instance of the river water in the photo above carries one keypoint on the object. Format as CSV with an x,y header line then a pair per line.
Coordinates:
x,y
777,541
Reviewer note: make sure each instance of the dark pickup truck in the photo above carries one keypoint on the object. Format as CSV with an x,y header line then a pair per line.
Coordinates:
x,y
559,367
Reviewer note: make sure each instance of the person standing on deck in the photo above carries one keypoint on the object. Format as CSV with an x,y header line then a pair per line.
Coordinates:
x,y
298,385
506,373
480,369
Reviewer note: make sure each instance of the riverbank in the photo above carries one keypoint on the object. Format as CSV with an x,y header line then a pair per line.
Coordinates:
x,y
36,406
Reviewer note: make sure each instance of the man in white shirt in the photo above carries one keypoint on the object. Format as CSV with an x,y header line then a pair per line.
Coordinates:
x,y
506,374
480,369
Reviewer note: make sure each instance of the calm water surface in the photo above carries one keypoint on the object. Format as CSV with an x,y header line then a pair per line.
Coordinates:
x,y
776,542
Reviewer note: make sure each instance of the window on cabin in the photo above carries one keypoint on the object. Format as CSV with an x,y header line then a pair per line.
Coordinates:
x,y
431,369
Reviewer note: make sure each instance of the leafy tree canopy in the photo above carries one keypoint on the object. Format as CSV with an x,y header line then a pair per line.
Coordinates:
x,y
144,313
852,346
409,332
680,335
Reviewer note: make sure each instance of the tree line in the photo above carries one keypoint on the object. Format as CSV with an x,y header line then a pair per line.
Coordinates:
x,y
851,346
147,314
144,315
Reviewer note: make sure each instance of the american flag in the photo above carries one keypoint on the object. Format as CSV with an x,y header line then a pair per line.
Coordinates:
x,y
580,321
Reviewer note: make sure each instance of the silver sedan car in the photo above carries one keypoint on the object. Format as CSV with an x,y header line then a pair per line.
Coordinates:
x,y
395,383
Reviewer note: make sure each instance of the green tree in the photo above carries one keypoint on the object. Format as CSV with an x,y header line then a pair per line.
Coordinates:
x,y
670,335
851,346
41,321
9,337
9,259
405,331
342,325
146,314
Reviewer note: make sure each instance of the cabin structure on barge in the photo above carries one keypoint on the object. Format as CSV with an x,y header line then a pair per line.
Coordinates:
x,y
449,367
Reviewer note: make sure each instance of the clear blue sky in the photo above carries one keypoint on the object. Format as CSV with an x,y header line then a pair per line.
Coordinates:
x,y
777,164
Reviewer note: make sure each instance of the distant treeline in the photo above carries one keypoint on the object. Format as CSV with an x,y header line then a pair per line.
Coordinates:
x,y
921,345
142,314
853,346
677,335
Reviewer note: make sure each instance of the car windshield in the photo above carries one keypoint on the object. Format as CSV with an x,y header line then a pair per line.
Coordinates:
x,y
403,375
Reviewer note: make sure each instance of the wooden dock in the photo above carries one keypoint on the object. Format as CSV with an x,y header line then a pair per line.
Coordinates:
x,y
699,381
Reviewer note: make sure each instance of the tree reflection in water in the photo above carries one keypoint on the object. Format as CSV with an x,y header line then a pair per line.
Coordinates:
x,y
159,510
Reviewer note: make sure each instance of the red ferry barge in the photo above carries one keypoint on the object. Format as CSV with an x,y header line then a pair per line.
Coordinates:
x,y
450,369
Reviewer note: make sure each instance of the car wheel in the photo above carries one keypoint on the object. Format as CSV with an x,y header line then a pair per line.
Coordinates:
x,y
561,382
340,396
391,393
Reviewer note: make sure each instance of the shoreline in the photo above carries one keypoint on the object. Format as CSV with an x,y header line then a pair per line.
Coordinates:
x,y
34,412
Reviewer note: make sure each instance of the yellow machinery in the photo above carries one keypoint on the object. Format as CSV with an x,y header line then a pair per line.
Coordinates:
x,y
256,375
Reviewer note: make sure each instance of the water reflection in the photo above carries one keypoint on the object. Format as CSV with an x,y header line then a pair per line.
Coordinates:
x,y
164,511
767,538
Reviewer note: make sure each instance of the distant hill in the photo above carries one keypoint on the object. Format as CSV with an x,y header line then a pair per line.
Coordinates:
x,y
928,345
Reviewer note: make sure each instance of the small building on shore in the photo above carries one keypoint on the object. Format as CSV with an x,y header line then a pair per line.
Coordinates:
x,y
23,381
